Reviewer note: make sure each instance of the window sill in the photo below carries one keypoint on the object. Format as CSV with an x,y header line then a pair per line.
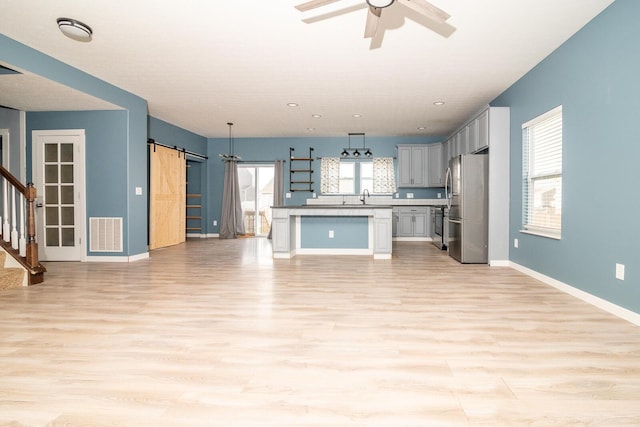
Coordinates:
x,y
554,236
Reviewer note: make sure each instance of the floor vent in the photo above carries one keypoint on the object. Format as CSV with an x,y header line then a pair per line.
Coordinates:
x,y
105,234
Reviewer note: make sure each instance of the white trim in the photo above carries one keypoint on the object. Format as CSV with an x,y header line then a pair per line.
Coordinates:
x,y
200,235
79,174
412,239
132,258
23,146
598,302
543,117
6,158
333,251
548,234
499,263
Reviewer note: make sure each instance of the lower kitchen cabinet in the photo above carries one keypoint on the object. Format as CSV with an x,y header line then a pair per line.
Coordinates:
x,y
411,221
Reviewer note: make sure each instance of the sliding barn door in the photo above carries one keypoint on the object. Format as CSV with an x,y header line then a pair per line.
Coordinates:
x,y
167,197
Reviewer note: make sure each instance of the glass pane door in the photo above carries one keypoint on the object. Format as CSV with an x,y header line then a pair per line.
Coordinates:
x,y
256,195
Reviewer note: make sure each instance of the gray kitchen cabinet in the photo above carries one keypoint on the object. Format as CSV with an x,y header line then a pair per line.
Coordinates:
x,y
435,171
412,165
483,129
413,221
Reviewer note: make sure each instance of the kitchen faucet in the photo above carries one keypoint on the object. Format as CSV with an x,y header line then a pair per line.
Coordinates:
x,y
362,199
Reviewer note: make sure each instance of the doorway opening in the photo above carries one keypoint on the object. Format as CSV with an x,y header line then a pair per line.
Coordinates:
x,y
256,196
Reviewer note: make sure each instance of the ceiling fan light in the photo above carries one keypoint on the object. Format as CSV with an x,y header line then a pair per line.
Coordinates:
x,y
380,3
74,29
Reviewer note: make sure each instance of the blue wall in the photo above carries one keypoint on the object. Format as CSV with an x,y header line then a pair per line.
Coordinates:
x,y
134,139
349,232
105,146
270,149
595,76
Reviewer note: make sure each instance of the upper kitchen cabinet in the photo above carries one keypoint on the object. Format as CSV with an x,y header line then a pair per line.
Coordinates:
x,y
478,132
475,135
435,170
412,165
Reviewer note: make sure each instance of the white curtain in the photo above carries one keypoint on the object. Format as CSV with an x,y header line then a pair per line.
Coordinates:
x,y
384,180
330,175
231,224
278,188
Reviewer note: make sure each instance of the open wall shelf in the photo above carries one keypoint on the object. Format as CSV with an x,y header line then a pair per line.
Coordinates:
x,y
300,172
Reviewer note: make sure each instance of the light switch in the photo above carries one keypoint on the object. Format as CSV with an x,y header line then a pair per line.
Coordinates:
x,y
138,191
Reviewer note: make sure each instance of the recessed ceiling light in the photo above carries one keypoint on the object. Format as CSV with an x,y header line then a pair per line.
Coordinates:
x,y
311,129
75,30
316,116
438,103
421,128
357,116
292,104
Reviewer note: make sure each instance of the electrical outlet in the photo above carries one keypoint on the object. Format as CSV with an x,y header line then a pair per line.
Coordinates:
x,y
288,195
409,195
215,223
515,243
619,271
331,234
439,195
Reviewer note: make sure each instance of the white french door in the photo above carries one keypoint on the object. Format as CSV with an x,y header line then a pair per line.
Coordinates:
x,y
59,178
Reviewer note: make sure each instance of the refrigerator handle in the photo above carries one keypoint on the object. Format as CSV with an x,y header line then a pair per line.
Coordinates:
x,y
447,195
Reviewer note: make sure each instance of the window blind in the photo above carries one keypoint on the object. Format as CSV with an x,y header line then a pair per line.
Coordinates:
x,y
542,174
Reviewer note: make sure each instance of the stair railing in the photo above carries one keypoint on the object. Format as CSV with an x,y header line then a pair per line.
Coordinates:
x,y
18,217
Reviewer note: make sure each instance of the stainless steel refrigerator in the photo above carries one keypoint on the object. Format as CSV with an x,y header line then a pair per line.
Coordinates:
x,y
466,191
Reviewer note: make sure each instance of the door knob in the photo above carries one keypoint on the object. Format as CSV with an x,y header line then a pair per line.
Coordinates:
x,y
39,205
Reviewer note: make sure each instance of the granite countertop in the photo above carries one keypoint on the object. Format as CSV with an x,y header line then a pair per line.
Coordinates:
x,y
327,206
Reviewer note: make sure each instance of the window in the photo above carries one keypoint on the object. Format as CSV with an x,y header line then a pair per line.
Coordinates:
x,y
347,177
366,176
340,177
542,174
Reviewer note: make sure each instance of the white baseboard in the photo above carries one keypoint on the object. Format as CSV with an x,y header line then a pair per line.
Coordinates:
x,y
412,239
202,235
602,304
125,258
500,263
333,251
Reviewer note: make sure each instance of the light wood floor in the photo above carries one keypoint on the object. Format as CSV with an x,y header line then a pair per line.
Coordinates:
x,y
215,333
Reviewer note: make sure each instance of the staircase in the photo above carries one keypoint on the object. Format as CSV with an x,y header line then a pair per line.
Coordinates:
x,y
19,264
10,277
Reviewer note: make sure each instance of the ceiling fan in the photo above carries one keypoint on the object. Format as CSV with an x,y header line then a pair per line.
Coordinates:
x,y
422,7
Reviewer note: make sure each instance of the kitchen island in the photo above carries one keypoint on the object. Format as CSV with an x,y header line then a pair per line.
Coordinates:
x,y
332,230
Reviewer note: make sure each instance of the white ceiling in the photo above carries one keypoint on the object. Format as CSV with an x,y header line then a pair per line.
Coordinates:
x,y
201,64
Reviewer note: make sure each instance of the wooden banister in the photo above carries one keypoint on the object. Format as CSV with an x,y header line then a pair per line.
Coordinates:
x,y
29,192
13,180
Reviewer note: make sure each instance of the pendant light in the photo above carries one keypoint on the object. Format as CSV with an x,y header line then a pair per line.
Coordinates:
x,y
354,152
230,155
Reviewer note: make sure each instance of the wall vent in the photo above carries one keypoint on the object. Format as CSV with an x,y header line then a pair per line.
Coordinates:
x,y
105,234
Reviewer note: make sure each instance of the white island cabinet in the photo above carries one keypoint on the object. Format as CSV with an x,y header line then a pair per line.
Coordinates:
x,y
332,230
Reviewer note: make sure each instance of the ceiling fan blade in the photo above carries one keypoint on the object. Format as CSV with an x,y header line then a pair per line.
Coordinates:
x,y
314,4
373,16
425,8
